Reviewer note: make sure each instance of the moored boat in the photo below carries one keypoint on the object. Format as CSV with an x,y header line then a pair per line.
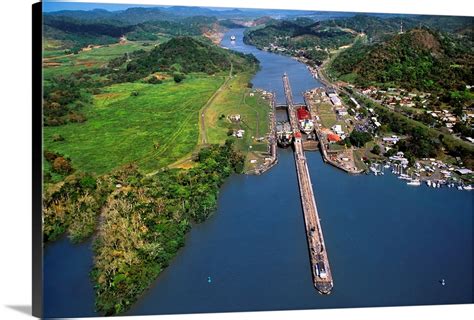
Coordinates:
x,y
304,120
414,182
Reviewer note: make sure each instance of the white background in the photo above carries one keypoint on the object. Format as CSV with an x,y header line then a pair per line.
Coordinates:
x,y
15,155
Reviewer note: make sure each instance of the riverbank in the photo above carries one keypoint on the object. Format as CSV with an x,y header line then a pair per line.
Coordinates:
x,y
464,178
257,276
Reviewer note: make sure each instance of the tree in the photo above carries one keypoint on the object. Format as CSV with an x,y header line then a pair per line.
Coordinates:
x,y
359,138
62,165
178,77
154,80
376,149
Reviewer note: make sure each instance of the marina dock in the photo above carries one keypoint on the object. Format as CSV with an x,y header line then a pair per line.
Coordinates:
x,y
320,268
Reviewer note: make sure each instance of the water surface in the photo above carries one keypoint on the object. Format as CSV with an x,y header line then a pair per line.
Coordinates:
x,y
388,243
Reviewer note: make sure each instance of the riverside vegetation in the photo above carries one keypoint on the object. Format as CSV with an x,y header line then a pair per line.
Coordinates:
x,y
143,219
114,124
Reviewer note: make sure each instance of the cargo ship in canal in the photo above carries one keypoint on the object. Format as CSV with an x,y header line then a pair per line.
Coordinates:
x,y
284,134
305,122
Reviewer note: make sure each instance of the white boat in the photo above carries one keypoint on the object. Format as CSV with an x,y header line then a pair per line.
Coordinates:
x,y
459,187
375,170
386,166
414,182
232,38
428,182
469,187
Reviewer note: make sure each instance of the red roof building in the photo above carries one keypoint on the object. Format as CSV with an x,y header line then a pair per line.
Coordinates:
x,y
332,137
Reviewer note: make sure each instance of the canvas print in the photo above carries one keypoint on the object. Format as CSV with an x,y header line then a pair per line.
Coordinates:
x,y
228,159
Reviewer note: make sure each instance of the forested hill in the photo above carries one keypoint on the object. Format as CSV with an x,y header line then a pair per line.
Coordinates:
x,y
302,37
77,33
65,95
298,34
180,54
420,58
381,28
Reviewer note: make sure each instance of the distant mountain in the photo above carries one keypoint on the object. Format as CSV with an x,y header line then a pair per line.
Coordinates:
x,y
189,11
143,14
83,14
77,33
380,27
420,58
129,16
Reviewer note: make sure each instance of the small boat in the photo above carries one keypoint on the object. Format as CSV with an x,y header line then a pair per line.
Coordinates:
x,y
209,280
374,169
459,187
428,182
469,187
443,282
232,38
414,182
386,166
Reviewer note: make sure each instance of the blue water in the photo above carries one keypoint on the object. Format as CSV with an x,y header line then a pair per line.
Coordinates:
x,y
272,68
68,290
388,243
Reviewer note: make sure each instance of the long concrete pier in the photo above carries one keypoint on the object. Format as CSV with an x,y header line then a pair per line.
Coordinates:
x,y
322,276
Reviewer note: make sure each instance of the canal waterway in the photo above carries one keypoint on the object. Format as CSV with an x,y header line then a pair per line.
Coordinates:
x,y
388,243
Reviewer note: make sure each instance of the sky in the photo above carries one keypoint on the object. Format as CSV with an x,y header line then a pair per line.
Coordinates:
x,y
50,6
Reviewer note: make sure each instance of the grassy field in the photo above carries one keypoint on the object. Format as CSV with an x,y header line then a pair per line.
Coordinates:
x,y
327,115
253,109
57,62
153,129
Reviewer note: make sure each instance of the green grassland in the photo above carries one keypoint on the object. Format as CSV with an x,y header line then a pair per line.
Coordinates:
x,y
153,129
236,99
94,57
327,115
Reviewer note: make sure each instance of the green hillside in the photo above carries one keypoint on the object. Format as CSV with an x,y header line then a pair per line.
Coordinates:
x,y
420,59
299,37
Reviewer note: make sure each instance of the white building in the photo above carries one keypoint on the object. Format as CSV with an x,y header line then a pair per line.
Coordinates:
x,y
337,129
336,101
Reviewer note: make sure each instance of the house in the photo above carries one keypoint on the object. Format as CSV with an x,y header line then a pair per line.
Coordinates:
x,y
355,103
332,137
234,117
391,140
337,129
342,112
240,133
330,91
335,100
464,171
